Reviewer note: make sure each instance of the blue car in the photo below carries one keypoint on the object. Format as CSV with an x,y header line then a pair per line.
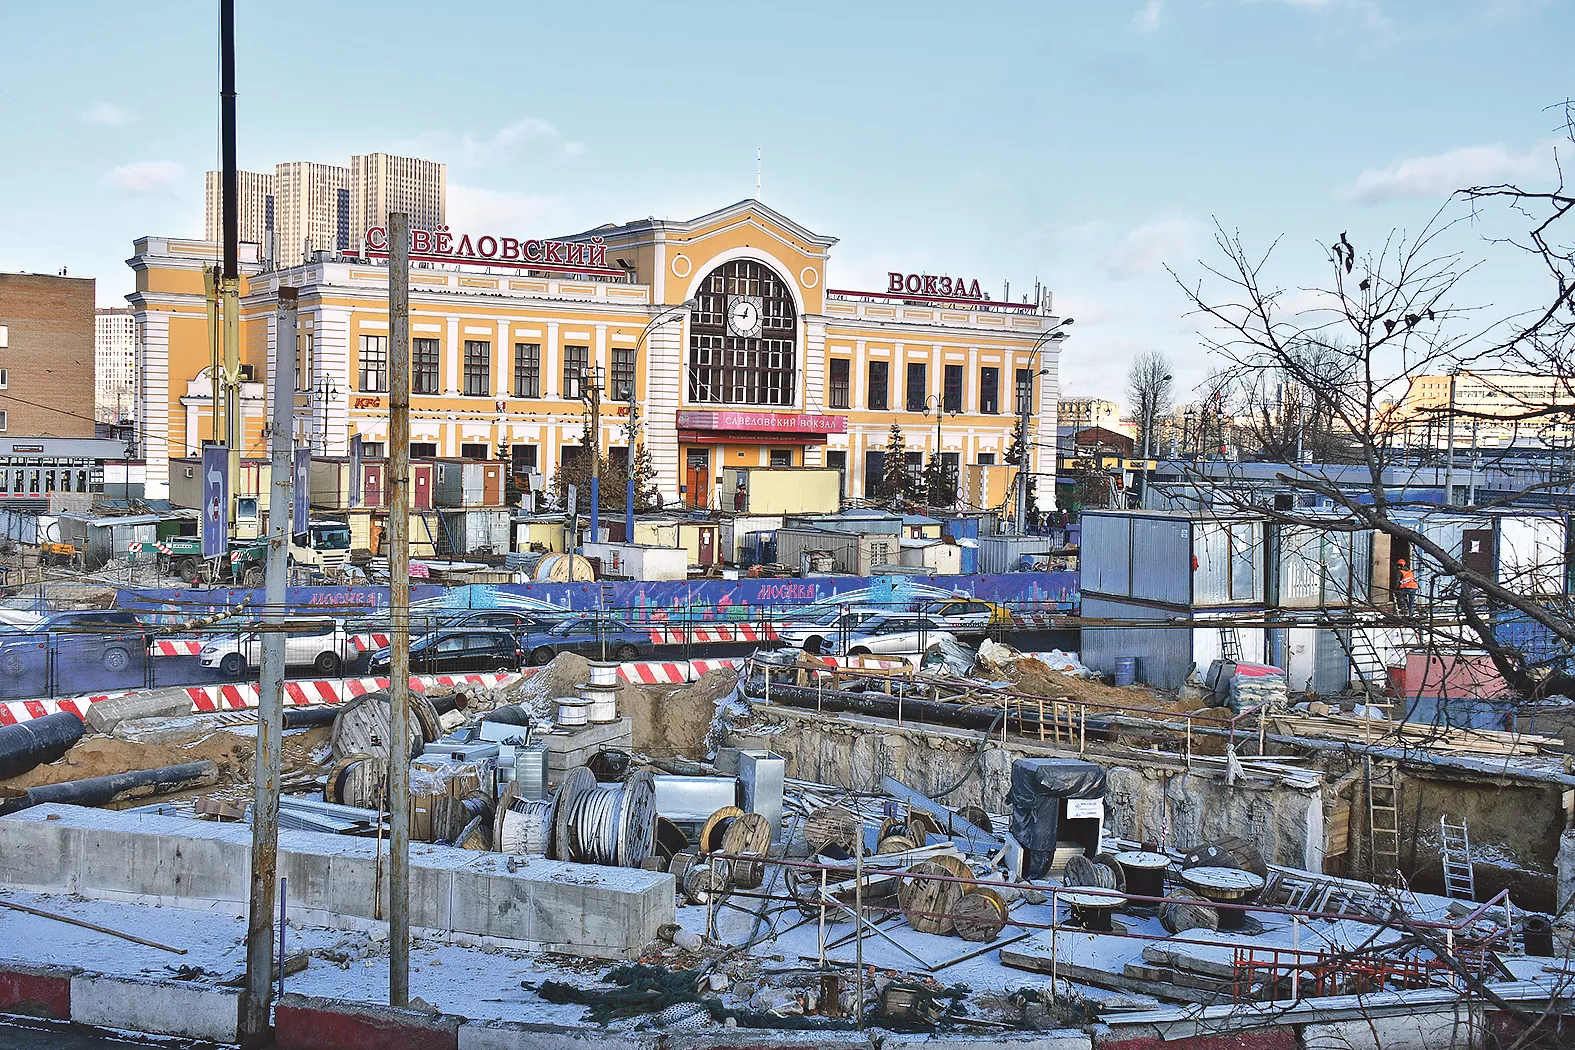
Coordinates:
x,y
592,637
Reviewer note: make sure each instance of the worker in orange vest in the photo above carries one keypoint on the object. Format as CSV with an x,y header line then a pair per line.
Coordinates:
x,y
1407,586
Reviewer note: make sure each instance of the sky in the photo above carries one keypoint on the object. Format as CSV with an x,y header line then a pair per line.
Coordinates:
x,y
1092,146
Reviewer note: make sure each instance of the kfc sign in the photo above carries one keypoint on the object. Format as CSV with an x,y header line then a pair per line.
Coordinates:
x,y
486,250
933,286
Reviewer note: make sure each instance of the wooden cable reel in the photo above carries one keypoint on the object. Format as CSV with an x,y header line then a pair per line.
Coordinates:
x,y
670,841
978,816
980,914
927,903
831,826
1080,871
357,780
579,781
1186,910
711,832
679,866
522,825
1118,874
746,838
897,842
363,726
921,826
803,885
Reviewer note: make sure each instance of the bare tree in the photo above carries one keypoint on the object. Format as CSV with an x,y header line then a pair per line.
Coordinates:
x,y
1149,385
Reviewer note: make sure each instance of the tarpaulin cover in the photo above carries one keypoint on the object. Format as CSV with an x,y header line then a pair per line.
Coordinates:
x,y
1038,786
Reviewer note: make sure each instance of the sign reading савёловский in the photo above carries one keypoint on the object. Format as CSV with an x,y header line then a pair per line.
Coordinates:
x,y
440,246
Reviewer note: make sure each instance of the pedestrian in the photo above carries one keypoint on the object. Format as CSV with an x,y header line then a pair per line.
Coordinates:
x,y
1406,586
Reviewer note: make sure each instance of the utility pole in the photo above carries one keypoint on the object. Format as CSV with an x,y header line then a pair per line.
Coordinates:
x,y
210,288
1449,460
399,608
1023,411
230,279
593,376
270,694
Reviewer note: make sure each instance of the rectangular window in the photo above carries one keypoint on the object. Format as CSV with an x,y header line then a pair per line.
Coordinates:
x,y
423,450
424,366
781,457
622,374
951,390
576,359
990,390
880,385
371,450
5,378
303,361
2,419
527,369
1025,394
478,368
915,461
951,463
987,459
374,363
915,389
471,450
874,472
837,391
525,457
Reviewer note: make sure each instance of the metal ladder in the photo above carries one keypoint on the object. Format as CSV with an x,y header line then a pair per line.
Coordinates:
x,y
1383,820
1460,876
1365,661
1230,644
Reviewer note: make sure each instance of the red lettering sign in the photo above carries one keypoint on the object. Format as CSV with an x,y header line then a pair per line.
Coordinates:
x,y
582,257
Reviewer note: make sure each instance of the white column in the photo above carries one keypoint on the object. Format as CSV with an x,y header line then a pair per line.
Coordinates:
x,y
153,399
858,382
661,360
551,363
332,347
452,354
814,382
500,360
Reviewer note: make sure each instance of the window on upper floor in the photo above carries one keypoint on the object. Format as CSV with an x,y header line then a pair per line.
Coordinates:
x,y
837,392
915,389
990,390
952,388
879,393
743,338
424,366
576,362
478,368
527,369
374,363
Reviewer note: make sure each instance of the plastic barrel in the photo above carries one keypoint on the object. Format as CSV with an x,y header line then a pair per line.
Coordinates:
x,y
1126,670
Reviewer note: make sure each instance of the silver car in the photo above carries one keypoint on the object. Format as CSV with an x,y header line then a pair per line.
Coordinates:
x,y
810,634
890,633
318,646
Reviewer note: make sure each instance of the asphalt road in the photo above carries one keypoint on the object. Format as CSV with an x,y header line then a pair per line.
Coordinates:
x,y
44,1035
69,677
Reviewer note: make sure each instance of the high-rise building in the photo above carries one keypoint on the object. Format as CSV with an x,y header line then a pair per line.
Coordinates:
x,y
313,210
256,208
46,355
381,183
115,364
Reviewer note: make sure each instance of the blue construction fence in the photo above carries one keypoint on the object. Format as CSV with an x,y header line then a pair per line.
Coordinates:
x,y
705,601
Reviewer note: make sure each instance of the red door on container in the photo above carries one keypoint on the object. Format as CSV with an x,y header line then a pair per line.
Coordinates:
x,y
372,485
707,546
421,498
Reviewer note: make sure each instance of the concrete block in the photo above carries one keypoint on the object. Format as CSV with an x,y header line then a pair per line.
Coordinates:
x,y
39,854
1059,1039
1437,1030
191,1011
303,1022
36,991
518,1035
104,715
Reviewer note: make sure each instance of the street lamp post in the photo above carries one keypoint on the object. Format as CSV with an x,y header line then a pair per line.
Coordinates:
x,y
939,403
670,314
1024,410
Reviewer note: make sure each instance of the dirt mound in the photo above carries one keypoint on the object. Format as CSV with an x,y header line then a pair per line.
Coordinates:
x,y
233,752
1036,678
670,722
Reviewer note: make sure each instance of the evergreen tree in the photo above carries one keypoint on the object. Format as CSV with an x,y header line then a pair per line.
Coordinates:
x,y
898,483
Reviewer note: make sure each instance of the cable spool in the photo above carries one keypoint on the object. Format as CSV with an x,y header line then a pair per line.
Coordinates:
x,y
1118,874
603,701
831,826
426,716
357,780
604,673
803,885
746,838
895,843
704,881
921,826
612,826
1080,871
1229,852
451,817
654,862
576,783
980,914
522,825
978,816
715,827
573,712
927,903
474,835
1186,910
670,840
679,866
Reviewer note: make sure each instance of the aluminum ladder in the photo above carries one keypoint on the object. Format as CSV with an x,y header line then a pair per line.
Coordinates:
x,y
1365,661
1454,851
1230,644
1383,821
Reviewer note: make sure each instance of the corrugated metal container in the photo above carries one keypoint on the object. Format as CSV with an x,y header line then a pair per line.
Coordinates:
x,y
468,483
640,563
1531,553
1317,568
793,543
1165,655
938,558
862,523
477,531
735,530
1001,553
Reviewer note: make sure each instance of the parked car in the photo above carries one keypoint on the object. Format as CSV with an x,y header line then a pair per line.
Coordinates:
x,y
812,633
321,649
968,617
902,633
452,649
589,636
516,622
109,638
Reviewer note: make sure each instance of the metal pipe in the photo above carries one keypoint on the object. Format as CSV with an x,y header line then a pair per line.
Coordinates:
x,y
399,607
98,791
270,692
36,741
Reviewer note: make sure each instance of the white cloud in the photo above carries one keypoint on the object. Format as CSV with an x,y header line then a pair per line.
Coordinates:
x,y
144,176
1146,20
473,208
1441,174
1147,247
484,149
107,115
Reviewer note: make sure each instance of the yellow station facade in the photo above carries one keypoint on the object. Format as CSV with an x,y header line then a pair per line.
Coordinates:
x,y
765,366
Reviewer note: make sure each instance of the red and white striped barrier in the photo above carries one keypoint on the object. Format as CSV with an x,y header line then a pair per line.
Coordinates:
x,y
718,632
176,647
676,672
365,642
14,711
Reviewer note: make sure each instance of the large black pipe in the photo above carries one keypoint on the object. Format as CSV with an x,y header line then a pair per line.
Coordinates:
x,y
100,791
938,712
232,188
39,740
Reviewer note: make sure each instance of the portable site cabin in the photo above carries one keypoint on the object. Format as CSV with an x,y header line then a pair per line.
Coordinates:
x,y
738,532
780,490
631,561
850,553
935,557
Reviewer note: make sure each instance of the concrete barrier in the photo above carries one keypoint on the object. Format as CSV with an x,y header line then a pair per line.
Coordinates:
x,y
1252,1039
1438,1030
191,1011
462,895
106,714
520,1035
304,1022
36,991
1058,1039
